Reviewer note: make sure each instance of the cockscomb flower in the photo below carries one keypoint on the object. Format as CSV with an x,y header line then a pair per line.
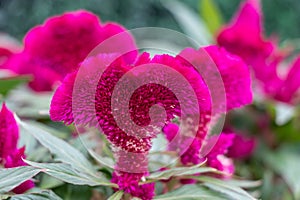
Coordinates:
x,y
233,71
120,98
10,155
235,75
289,89
129,183
86,98
244,36
55,48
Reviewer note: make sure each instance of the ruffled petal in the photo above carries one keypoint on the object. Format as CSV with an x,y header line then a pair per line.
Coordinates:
x,y
236,77
243,36
57,47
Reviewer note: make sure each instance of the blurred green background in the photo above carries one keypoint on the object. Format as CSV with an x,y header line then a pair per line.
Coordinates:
x,y
18,16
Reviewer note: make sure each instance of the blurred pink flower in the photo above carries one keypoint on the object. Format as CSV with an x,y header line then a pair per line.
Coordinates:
x,y
8,47
289,89
56,48
10,155
216,157
242,147
244,36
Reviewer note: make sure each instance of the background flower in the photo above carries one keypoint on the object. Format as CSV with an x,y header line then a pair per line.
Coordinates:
x,y
56,48
10,155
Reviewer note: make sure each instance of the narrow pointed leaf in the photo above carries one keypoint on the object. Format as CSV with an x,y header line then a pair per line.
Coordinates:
x,y
180,171
106,161
223,187
9,83
66,173
191,192
61,149
42,195
211,15
13,177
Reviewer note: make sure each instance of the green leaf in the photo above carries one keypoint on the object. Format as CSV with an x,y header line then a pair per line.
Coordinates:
x,y
9,83
191,192
179,171
29,104
66,173
75,192
49,182
106,161
53,131
42,195
13,177
288,132
244,183
285,161
116,196
190,22
211,15
64,152
223,187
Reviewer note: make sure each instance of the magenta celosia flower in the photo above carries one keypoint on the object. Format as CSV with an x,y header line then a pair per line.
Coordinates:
x,y
86,97
118,97
10,155
63,108
9,132
216,157
236,77
233,72
236,80
57,47
129,183
276,83
243,36
289,89
242,147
